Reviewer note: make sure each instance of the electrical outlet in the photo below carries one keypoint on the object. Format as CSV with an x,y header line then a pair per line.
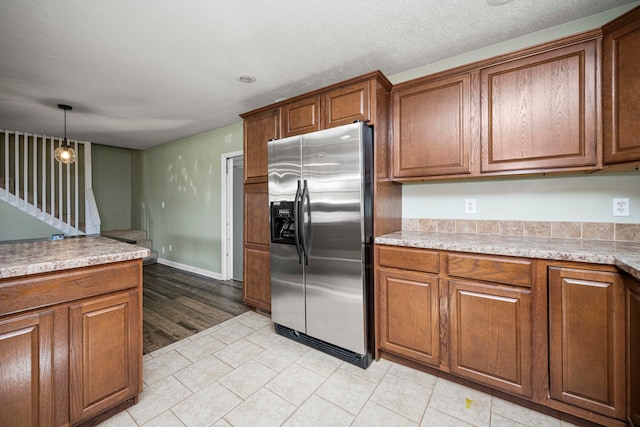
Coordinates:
x,y
163,249
170,247
621,207
470,206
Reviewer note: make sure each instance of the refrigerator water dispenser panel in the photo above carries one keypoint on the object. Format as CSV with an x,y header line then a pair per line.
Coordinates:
x,y
283,222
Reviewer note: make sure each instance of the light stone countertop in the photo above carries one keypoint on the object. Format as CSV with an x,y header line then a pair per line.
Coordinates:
x,y
33,257
625,255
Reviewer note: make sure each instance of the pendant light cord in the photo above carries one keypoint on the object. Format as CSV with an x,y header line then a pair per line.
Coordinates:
x,y
65,128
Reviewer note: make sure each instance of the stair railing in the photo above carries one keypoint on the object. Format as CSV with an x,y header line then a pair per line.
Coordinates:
x,y
55,193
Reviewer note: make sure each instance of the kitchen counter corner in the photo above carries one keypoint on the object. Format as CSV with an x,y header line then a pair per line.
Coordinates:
x,y
25,258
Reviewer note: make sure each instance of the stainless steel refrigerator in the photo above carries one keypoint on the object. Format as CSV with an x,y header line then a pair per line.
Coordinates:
x,y
320,199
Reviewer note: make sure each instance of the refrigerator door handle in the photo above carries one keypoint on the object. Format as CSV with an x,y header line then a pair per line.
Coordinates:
x,y
306,226
296,221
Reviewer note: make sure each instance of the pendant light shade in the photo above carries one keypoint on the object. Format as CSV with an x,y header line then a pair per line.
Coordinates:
x,y
64,153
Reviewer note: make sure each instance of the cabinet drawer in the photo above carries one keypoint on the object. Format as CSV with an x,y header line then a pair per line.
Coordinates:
x,y
409,259
37,291
490,269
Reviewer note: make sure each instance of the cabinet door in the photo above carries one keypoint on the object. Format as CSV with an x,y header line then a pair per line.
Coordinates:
x,y
257,237
431,128
258,130
491,339
621,90
346,105
26,374
256,215
301,116
105,353
586,340
540,112
409,323
633,349
256,290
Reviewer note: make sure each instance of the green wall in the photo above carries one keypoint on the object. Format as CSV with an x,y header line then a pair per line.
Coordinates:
x,y
17,225
137,190
112,185
185,175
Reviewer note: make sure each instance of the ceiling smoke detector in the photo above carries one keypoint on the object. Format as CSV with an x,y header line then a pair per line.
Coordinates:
x,y
246,78
498,2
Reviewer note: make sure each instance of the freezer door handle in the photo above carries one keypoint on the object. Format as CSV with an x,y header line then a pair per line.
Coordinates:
x,y
305,225
296,221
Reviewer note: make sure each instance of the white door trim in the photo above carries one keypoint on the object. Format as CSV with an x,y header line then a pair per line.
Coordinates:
x,y
226,161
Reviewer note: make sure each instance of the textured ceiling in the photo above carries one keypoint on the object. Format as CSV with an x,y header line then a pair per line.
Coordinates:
x,y
146,72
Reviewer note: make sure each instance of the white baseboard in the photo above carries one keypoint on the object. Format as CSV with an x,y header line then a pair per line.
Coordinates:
x,y
190,268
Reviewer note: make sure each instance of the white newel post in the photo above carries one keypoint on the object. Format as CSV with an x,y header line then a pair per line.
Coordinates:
x,y
92,217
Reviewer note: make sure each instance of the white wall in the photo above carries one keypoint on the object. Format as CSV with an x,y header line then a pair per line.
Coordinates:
x,y
549,198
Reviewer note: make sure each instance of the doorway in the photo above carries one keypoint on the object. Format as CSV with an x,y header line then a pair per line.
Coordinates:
x,y
232,215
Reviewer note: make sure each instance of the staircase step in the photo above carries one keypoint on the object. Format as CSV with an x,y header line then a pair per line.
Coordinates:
x,y
146,243
151,259
135,235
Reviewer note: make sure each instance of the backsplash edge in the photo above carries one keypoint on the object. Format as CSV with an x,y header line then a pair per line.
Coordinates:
x,y
609,231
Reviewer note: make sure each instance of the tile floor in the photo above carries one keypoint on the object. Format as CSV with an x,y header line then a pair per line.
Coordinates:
x,y
240,373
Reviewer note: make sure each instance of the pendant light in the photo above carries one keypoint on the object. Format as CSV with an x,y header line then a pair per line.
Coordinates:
x,y
64,153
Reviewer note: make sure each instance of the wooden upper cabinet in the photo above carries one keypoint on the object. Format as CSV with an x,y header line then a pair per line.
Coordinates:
x,y
346,105
258,130
621,89
540,112
432,128
586,340
301,116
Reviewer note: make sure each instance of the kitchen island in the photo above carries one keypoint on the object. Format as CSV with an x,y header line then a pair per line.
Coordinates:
x,y
549,321
70,330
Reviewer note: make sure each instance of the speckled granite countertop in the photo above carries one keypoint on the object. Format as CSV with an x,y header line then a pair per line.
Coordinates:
x,y
625,255
24,258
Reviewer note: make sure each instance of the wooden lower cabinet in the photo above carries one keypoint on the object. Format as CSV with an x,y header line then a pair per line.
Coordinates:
x,y
586,340
26,370
491,335
409,320
257,237
257,278
70,345
103,354
560,335
633,350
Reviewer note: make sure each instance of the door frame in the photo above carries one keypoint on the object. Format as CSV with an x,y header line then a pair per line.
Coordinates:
x,y
226,167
